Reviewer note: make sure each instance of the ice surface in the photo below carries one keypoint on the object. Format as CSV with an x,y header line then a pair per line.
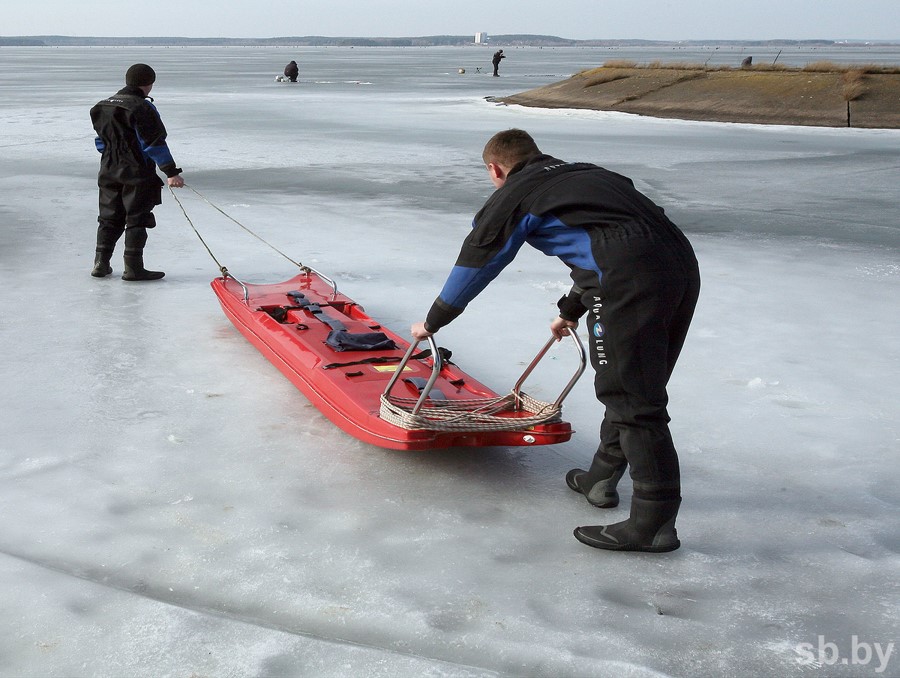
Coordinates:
x,y
171,506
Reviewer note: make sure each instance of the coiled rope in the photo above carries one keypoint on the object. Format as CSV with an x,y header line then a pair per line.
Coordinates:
x,y
485,414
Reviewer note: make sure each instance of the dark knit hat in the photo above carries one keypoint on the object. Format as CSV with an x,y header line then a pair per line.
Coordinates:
x,y
140,75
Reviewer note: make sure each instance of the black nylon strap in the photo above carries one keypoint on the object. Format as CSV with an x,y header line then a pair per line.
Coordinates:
x,y
365,361
301,301
445,357
420,382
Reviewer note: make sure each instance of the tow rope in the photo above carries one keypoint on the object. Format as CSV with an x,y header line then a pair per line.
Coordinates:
x,y
222,269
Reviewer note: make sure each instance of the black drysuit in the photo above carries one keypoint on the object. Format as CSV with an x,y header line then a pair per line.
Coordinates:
x,y
635,276
131,139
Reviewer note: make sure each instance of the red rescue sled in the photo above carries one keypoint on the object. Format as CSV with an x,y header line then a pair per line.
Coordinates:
x,y
380,391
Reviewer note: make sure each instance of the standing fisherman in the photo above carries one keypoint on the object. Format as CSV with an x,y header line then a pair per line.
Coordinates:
x,y
496,61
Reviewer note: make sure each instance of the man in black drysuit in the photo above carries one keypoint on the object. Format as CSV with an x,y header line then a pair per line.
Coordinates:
x,y
636,278
131,139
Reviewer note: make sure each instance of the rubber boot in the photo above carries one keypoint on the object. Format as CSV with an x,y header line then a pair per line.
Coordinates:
x,y
108,234
134,269
135,239
101,264
650,528
602,493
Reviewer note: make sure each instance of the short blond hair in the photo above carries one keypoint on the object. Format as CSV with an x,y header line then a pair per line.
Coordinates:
x,y
509,148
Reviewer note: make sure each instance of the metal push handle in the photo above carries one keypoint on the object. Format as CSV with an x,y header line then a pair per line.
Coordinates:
x,y
435,372
582,363
438,366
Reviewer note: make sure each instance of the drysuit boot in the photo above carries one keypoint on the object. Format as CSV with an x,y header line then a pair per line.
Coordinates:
x,y
651,528
135,239
599,484
134,269
108,234
101,264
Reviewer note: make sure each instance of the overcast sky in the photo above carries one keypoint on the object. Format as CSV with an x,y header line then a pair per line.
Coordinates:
x,y
581,19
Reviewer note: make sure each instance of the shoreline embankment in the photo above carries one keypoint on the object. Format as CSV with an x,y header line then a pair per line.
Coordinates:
x,y
825,96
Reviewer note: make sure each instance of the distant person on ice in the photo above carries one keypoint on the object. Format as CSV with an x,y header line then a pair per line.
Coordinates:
x,y
496,61
131,139
636,278
291,71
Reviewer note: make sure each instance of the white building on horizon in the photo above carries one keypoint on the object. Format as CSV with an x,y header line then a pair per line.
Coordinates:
x,y
480,38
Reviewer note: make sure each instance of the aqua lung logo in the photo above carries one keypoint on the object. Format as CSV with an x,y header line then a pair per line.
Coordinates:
x,y
599,331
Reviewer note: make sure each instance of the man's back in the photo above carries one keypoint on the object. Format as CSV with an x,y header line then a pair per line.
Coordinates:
x,y
128,128
579,195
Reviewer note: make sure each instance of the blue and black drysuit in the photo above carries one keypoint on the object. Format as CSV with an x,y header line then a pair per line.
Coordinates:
x,y
131,139
635,276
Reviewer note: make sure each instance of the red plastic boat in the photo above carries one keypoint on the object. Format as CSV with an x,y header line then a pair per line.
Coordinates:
x,y
343,361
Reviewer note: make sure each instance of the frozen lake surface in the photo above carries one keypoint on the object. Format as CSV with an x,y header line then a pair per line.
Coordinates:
x,y
171,506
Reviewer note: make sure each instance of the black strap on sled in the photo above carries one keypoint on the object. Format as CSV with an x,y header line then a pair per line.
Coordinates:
x,y
302,302
364,361
420,382
340,338
444,352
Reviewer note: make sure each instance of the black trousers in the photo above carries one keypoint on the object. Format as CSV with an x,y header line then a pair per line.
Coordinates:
x,y
125,206
638,320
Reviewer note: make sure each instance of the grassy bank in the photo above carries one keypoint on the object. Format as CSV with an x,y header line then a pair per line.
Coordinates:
x,y
821,94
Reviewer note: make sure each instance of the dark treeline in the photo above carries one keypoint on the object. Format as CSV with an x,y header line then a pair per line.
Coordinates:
x,y
426,41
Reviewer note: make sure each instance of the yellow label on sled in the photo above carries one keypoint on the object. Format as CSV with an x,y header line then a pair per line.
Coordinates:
x,y
390,368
